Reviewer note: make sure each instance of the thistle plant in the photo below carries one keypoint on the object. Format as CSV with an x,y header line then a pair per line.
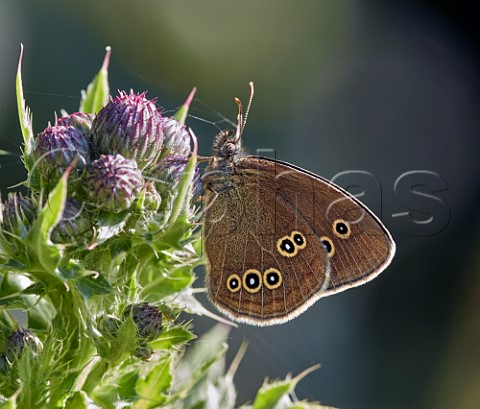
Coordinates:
x,y
96,265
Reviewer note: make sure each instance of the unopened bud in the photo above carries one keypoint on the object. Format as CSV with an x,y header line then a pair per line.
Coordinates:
x,y
130,125
114,182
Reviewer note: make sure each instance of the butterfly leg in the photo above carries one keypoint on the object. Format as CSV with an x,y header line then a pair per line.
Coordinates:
x,y
212,201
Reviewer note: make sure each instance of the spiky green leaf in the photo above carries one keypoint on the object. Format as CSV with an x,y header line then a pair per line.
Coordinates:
x,y
47,254
270,395
160,281
181,114
97,93
184,189
275,395
78,400
24,115
152,388
93,285
173,336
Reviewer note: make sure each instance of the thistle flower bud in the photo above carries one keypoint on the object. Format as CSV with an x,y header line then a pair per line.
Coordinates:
x,y
16,341
153,199
78,120
130,125
169,170
108,325
75,225
18,214
3,363
57,147
148,320
176,140
144,352
114,182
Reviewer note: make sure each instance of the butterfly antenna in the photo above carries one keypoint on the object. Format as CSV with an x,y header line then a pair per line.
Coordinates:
x,y
242,120
238,134
250,99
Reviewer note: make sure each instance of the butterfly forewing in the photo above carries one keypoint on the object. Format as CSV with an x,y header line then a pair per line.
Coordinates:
x,y
358,245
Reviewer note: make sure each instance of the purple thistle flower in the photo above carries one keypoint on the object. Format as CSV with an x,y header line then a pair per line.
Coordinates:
x,y
16,341
148,320
168,172
57,147
79,120
176,139
175,156
130,125
114,182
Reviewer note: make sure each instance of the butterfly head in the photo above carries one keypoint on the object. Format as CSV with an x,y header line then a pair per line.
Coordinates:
x,y
227,150
227,146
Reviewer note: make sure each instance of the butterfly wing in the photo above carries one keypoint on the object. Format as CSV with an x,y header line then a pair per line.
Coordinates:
x,y
264,267
280,237
358,245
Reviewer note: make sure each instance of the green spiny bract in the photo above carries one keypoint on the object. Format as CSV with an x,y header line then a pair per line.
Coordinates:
x,y
75,226
18,214
151,197
130,125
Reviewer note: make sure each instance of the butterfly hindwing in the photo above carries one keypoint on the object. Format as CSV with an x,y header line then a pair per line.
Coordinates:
x,y
265,266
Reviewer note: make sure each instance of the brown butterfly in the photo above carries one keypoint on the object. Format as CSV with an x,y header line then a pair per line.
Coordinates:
x,y
278,237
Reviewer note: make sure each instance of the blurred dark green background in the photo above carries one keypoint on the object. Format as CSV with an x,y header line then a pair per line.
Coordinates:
x,y
384,87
